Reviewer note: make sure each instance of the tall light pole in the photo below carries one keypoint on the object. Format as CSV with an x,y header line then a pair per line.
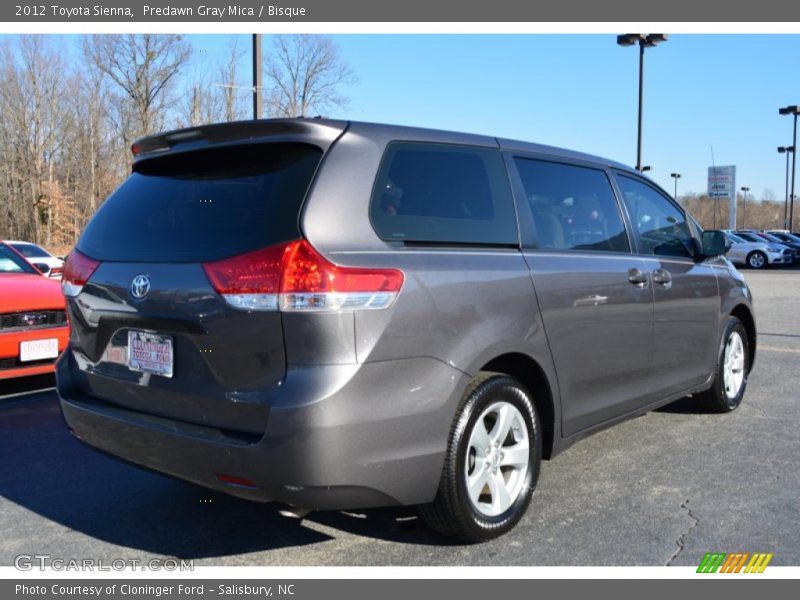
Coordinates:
x,y
675,176
744,206
645,40
792,110
787,150
258,107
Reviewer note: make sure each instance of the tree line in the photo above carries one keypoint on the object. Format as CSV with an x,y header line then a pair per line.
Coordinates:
x,y
69,113
766,213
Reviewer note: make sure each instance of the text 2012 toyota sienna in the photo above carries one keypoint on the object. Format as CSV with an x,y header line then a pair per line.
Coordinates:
x,y
344,315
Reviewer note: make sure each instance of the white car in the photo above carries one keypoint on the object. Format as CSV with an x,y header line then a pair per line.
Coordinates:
x,y
38,257
757,255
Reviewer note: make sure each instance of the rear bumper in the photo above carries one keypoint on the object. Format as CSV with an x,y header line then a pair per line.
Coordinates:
x,y
11,367
331,442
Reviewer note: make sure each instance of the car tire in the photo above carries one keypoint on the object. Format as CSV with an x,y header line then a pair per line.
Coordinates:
x,y
492,461
757,260
733,366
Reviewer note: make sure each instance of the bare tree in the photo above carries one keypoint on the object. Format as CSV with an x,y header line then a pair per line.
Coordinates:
x,y
229,85
305,75
143,66
202,103
33,126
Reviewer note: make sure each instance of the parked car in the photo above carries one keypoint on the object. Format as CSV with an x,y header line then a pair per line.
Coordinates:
x,y
786,240
344,315
774,239
785,237
758,254
776,248
49,265
33,319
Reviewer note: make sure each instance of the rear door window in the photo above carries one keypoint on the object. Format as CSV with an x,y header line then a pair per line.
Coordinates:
x,y
204,205
443,193
573,207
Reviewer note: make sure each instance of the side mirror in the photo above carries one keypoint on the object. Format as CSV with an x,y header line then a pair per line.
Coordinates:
x,y
715,243
43,267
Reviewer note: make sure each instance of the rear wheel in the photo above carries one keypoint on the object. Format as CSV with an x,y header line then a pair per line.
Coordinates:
x,y
733,366
757,260
492,461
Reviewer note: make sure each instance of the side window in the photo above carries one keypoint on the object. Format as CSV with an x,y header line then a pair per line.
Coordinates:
x,y
573,207
661,228
443,193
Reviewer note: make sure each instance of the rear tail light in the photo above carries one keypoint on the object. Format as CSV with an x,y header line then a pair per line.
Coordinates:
x,y
77,270
295,277
236,481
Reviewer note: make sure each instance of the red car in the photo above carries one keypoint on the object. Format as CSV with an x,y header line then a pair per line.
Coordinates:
x,y
33,319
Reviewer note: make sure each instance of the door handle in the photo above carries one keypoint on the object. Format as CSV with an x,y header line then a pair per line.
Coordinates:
x,y
637,277
662,277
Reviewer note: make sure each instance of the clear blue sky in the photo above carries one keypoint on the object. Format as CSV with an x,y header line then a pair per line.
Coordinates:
x,y
579,91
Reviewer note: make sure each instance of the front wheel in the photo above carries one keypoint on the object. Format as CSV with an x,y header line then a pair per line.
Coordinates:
x,y
733,366
492,461
757,260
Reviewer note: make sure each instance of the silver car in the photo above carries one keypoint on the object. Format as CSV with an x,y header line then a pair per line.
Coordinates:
x,y
757,255
337,315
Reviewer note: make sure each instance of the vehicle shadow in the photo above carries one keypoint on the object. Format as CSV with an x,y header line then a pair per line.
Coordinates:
x,y
683,406
45,470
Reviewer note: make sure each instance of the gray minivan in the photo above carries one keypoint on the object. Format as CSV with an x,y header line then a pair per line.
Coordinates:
x,y
337,315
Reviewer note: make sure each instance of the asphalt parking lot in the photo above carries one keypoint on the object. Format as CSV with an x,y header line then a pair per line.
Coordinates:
x,y
661,489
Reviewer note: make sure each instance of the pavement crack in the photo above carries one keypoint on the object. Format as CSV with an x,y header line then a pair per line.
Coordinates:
x,y
681,541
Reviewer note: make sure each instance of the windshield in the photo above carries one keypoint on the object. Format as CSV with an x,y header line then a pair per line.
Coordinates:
x,y
736,239
30,251
772,238
751,237
11,262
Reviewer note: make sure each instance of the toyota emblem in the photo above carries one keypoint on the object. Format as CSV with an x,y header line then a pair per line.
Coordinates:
x,y
139,287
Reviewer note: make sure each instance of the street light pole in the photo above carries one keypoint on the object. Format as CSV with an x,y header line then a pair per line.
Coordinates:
x,y
258,107
786,150
644,41
675,176
744,206
792,110
641,106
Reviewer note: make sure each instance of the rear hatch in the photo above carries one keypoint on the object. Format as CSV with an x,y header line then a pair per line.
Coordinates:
x,y
149,331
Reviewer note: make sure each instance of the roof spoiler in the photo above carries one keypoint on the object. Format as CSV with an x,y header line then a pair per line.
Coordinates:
x,y
321,132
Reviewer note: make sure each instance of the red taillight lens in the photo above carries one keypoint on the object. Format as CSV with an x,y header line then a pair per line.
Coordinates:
x,y
237,481
77,270
294,276
254,272
307,271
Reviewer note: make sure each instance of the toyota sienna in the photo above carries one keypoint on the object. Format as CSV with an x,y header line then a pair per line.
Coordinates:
x,y
338,315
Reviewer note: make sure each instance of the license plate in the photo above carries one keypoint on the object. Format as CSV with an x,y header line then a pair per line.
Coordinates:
x,y
150,353
38,349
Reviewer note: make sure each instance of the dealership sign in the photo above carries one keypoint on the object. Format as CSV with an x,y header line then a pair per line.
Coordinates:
x,y
722,184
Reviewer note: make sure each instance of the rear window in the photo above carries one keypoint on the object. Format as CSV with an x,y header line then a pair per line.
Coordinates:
x,y
204,205
443,193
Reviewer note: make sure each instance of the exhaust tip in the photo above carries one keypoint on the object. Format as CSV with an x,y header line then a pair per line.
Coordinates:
x,y
295,512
